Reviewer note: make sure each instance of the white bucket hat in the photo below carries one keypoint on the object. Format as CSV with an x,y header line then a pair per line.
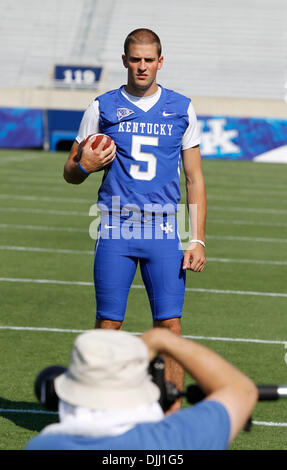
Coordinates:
x,y
108,370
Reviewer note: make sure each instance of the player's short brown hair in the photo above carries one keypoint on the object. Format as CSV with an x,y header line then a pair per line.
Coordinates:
x,y
142,36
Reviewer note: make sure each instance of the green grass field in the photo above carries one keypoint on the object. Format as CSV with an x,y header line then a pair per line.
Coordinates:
x,y
238,306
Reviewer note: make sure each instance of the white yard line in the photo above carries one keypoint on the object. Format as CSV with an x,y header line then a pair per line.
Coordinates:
x,y
135,286
247,261
46,199
10,159
204,338
43,228
46,412
86,230
91,252
254,223
45,250
244,198
91,201
259,210
25,210
16,410
86,214
245,191
247,239
269,423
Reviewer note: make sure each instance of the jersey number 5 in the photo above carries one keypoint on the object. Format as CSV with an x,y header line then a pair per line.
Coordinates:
x,y
149,158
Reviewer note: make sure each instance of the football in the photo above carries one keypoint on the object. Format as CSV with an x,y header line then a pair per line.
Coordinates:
x,y
97,140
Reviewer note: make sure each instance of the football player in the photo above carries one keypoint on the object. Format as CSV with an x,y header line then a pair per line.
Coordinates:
x,y
154,130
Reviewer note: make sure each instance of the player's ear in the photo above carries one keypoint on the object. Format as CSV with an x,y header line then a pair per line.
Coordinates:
x,y
125,61
160,62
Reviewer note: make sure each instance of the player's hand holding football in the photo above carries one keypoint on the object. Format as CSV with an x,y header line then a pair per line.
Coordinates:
x,y
96,159
194,258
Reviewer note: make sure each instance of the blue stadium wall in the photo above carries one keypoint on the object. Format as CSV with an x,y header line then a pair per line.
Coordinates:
x,y
21,128
223,137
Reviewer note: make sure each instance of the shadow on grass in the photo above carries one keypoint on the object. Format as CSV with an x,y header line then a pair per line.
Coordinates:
x,y
26,414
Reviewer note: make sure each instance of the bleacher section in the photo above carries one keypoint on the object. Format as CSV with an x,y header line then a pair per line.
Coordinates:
x,y
228,56
35,36
219,49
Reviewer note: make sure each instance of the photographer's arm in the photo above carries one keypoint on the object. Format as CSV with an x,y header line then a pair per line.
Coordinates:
x,y
217,378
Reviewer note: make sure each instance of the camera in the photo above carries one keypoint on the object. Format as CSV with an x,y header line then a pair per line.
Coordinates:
x,y
168,391
45,391
44,386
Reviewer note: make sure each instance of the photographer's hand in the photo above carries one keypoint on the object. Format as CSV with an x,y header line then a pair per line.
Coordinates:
x,y
154,340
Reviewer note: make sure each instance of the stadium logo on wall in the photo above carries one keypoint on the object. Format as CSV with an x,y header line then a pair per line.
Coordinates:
x,y
123,112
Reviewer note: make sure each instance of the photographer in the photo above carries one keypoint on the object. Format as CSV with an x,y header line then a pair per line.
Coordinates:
x,y
107,399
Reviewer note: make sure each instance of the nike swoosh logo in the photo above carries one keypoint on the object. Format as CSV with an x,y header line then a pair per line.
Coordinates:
x,y
165,114
110,226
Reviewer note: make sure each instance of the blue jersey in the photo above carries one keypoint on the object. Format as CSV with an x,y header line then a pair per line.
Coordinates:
x,y
146,170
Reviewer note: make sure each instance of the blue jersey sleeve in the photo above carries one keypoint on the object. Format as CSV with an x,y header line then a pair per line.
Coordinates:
x,y
204,426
